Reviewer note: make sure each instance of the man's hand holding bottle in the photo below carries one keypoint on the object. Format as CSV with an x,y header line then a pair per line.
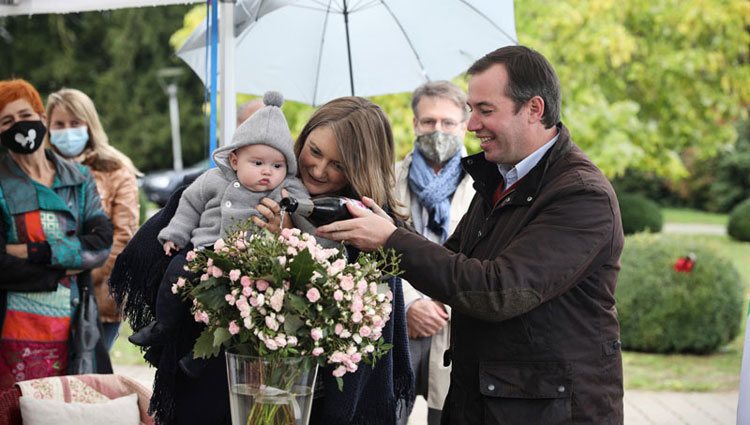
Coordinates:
x,y
365,231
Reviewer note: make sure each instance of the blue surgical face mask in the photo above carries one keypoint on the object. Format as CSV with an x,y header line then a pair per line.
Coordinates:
x,y
70,142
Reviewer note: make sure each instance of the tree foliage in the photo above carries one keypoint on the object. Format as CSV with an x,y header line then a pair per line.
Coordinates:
x,y
114,57
731,184
647,85
644,80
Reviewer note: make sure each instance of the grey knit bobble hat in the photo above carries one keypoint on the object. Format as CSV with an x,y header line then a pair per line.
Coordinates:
x,y
267,126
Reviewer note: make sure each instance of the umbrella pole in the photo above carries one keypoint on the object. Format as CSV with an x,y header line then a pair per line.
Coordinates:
x,y
348,48
228,98
214,15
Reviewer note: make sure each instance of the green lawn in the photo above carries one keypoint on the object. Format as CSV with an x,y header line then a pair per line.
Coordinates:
x,y
123,352
684,215
682,372
715,372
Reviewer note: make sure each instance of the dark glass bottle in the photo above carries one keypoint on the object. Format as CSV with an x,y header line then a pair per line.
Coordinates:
x,y
320,211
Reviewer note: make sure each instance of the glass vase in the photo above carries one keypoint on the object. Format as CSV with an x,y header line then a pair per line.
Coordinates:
x,y
270,391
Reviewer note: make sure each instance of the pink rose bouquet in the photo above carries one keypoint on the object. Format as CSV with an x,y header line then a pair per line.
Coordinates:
x,y
279,296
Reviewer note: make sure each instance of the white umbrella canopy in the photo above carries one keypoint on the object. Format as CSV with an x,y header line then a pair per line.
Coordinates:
x,y
313,51
246,12
31,7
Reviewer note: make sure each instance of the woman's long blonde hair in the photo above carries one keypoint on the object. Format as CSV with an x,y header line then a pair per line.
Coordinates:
x,y
98,154
365,142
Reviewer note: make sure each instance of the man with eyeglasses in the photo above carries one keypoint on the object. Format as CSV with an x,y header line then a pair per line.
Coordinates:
x,y
432,184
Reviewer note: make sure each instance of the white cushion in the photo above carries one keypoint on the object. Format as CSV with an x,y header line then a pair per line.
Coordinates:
x,y
119,411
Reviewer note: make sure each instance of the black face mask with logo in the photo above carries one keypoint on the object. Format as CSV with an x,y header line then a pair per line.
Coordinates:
x,y
24,137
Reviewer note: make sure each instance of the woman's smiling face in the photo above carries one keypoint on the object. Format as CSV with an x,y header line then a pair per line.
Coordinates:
x,y
321,169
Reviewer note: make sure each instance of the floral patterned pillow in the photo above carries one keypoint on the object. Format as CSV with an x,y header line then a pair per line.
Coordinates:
x,y
119,411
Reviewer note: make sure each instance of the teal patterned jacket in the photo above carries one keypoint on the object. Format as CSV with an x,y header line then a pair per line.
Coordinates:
x,y
80,238
49,324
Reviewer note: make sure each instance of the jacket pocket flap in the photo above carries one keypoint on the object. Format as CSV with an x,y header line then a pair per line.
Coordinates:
x,y
525,380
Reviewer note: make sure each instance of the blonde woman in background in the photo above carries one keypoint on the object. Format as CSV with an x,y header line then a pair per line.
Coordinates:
x,y
76,133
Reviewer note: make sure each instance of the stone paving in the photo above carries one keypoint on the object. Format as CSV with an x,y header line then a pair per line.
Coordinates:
x,y
655,408
673,408
694,229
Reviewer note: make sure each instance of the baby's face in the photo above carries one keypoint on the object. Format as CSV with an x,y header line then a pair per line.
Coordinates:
x,y
259,167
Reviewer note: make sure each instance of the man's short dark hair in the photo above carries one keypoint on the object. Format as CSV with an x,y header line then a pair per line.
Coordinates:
x,y
529,75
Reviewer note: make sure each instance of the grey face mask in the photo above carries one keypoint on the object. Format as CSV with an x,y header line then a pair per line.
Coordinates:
x,y
438,147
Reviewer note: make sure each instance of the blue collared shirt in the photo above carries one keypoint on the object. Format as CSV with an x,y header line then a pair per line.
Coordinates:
x,y
512,174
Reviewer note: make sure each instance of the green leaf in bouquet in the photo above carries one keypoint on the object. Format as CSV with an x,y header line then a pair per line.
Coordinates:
x,y
296,303
204,345
203,286
220,260
292,323
386,347
301,267
225,264
380,351
279,275
213,296
221,335
331,312
210,253
293,352
384,262
340,383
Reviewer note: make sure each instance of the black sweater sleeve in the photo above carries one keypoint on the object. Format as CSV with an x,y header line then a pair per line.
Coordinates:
x,y
21,275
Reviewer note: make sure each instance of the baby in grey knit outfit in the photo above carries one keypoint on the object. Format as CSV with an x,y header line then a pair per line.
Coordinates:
x,y
258,163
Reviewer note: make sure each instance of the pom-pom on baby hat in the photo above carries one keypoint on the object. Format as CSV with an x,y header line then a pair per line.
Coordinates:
x,y
267,126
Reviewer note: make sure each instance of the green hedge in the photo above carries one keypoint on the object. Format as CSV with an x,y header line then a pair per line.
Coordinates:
x,y
639,214
738,226
665,311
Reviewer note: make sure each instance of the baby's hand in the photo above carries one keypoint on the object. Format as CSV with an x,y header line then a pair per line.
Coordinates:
x,y
271,212
170,246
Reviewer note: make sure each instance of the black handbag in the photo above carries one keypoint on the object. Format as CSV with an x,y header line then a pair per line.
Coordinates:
x,y
88,353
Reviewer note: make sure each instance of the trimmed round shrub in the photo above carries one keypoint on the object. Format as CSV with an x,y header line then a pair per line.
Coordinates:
x,y
739,222
639,214
662,310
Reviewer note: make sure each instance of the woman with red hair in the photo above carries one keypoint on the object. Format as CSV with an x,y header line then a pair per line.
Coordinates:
x,y
52,232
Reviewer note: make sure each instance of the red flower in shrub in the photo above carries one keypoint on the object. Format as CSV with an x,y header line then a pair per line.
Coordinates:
x,y
685,264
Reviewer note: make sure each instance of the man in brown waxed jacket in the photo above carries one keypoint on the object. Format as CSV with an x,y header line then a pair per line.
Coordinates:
x,y
531,270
